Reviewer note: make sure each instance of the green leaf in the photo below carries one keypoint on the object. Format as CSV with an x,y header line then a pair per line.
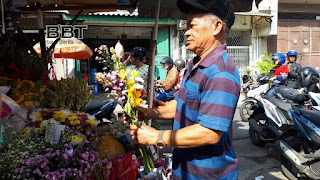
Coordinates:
x,y
128,109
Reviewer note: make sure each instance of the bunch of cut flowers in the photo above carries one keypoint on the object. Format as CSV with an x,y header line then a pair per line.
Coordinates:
x,y
75,120
126,87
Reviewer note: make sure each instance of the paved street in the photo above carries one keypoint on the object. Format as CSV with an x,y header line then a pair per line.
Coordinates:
x,y
254,161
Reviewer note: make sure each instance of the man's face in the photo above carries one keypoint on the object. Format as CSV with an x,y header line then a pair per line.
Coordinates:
x,y
198,33
292,58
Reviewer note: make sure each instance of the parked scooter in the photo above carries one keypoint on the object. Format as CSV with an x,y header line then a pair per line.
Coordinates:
x,y
272,117
253,97
301,152
103,111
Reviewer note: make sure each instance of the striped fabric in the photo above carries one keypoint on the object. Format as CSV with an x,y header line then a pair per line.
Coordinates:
x,y
208,95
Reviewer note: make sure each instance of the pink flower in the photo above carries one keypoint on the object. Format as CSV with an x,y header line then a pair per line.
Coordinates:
x,y
113,77
121,84
96,49
107,89
114,81
124,92
108,76
121,81
115,87
119,50
97,57
104,68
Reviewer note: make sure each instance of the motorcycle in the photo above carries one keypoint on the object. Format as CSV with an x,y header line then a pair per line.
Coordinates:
x,y
253,97
247,81
300,153
103,111
272,118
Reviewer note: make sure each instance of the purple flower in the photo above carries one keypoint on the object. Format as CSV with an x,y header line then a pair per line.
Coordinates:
x,y
27,154
86,141
65,156
75,170
28,162
48,155
17,170
37,171
47,149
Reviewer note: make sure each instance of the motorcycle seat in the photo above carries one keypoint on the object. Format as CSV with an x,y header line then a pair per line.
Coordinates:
x,y
313,116
279,103
291,94
94,106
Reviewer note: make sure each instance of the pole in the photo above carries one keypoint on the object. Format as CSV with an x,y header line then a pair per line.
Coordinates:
x,y
150,100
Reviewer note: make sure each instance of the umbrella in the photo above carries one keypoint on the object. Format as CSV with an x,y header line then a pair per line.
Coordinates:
x,y
71,48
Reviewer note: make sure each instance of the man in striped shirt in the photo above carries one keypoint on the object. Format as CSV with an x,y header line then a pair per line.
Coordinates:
x,y
206,102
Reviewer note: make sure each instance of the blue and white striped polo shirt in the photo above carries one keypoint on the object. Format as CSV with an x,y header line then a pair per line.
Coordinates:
x,y
208,95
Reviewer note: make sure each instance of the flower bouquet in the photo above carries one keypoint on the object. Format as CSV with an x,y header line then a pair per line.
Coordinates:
x,y
126,87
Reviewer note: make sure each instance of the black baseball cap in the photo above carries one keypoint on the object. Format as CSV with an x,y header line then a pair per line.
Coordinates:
x,y
221,8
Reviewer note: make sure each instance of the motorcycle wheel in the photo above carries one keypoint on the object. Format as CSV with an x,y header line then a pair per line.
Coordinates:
x,y
253,134
286,166
246,110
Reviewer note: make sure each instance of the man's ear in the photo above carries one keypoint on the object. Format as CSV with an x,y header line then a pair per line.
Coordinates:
x,y
218,25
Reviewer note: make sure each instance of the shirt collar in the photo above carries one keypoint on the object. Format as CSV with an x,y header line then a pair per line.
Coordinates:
x,y
211,58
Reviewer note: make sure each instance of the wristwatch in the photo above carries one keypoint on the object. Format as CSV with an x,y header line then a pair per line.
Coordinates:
x,y
160,143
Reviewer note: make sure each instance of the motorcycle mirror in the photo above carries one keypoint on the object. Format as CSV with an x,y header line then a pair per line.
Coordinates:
x,y
317,68
158,77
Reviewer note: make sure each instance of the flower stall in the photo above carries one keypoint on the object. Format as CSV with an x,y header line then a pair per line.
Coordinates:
x,y
56,139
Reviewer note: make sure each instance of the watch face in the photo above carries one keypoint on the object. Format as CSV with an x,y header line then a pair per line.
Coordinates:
x,y
160,145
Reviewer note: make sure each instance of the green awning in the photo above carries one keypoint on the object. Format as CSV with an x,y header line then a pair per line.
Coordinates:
x,y
118,18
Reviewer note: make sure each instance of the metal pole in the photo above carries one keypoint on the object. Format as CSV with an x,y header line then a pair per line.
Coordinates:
x,y
150,100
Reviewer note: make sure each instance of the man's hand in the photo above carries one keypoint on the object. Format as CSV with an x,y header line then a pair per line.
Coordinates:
x,y
145,135
143,114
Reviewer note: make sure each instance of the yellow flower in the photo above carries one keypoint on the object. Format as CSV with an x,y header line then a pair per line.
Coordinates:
x,y
134,95
90,122
122,74
25,132
28,103
42,128
135,73
42,89
39,117
76,138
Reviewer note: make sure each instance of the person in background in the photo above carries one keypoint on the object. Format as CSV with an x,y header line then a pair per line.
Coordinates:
x,y
294,68
137,57
181,66
170,81
281,71
206,101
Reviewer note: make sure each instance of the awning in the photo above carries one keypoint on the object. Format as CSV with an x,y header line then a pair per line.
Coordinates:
x,y
169,9
88,6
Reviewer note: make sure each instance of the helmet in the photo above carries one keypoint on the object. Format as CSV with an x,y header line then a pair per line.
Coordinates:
x,y
180,64
167,60
306,76
292,53
279,56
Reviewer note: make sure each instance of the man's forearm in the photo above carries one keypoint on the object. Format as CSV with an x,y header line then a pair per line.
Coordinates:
x,y
191,136
167,111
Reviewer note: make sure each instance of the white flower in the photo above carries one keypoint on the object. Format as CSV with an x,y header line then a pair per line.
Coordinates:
x,y
66,112
139,80
143,104
138,86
